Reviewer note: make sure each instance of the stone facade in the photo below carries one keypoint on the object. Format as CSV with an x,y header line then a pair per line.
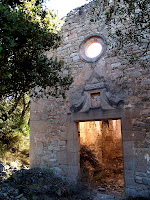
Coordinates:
x,y
109,88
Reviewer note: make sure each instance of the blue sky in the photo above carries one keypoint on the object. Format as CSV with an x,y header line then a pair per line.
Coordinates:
x,y
64,6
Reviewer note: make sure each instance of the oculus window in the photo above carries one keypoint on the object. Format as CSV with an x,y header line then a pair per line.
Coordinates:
x,y
93,48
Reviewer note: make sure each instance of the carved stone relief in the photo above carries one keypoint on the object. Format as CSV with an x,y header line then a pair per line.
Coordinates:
x,y
95,94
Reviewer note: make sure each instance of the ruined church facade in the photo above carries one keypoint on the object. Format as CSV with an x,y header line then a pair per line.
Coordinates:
x,y
105,88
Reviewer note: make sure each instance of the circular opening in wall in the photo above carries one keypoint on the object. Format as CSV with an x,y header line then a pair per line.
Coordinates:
x,y
92,48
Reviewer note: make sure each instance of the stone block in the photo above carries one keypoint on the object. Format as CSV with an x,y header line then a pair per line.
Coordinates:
x,y
56,148
73,146
35,116
75,58
63,148
67,46
62,157
39,149
135,114
73,158
88,74
57,171
141,163
127,135
39,105
139,135
52,160
146,181
129,163
141,174
135,74
115,65
132,192
126,124
54,142
50,148
62,135
73,172
55,138
46,157
35,163
129,178
62,143
138,179
128,154
73,54
37,127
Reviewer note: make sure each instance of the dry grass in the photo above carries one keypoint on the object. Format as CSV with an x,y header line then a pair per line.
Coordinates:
x,y
18,158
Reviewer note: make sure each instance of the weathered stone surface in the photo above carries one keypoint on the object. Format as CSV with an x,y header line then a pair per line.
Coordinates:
x,y
76,100
135,74
62,157
138,179
146,181
124,94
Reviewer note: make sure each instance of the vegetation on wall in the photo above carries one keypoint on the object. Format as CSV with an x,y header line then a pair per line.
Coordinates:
x,y
128,23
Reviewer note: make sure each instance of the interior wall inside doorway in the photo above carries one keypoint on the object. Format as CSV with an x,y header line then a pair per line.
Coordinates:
x,y
102,137
101,151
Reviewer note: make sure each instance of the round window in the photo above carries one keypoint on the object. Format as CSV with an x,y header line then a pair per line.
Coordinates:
x,y
92,48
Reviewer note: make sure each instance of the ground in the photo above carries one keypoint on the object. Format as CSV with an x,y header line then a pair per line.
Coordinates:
x,y
37,184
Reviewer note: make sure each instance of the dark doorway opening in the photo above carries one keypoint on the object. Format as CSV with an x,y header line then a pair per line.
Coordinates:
x,y
101,158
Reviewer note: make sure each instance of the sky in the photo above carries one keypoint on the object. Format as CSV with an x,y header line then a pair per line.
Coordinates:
x,y
64,6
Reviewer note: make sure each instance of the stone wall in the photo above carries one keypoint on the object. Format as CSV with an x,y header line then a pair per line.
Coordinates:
x,y
123,91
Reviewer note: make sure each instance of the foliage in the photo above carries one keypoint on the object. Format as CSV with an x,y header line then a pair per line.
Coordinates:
x,y
87,155
27,32
128,23
14,124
